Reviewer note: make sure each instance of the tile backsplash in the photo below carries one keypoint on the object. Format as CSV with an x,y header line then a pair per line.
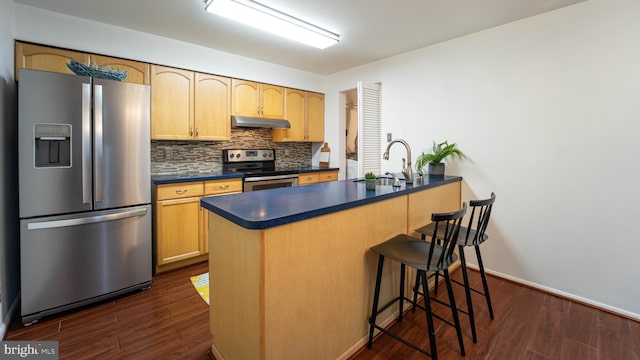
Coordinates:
x,y
169,157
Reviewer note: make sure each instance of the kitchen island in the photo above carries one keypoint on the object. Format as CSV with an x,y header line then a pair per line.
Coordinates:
x,y
291,272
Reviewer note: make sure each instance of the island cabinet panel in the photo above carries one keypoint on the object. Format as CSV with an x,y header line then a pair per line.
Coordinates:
x,y
303,289
422,204
321,275
237,316
318,273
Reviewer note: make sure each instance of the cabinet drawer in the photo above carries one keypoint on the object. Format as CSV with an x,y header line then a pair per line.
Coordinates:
x,y
309,178
328,176
215,187
178,191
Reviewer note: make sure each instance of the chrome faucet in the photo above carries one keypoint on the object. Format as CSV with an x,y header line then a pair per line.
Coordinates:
x,y
406,165
396,181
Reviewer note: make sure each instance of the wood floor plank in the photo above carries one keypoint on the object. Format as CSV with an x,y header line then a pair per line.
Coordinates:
x,y
171,321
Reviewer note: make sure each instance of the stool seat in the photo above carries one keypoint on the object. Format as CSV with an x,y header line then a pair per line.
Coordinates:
x,y
435,256
414,252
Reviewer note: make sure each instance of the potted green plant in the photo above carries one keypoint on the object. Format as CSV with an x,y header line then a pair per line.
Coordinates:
x,y
370,180
438,153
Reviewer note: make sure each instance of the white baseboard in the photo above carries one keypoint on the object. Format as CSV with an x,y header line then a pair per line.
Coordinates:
x,y
563,294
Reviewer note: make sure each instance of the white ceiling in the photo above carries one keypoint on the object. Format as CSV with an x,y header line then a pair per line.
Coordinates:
x,y
370,29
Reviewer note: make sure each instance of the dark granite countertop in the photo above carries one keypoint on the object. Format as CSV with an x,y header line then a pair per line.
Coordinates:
x,y
270,208
172,178
193,176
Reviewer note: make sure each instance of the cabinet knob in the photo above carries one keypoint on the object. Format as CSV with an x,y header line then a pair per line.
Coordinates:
x,y
190,131
181,191
224,187
197,132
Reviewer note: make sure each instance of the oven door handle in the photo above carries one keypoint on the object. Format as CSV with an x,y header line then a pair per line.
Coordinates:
x,y
270,177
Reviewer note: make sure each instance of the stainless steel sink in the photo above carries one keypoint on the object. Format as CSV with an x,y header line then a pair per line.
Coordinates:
x,y
383,181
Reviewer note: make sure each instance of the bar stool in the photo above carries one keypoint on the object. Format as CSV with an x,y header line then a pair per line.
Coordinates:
x,y
424,257
468,236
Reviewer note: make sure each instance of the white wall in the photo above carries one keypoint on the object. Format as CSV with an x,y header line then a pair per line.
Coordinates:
x,y
55,29
547,110
9,253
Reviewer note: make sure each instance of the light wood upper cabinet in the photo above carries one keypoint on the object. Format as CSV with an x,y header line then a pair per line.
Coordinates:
x,y
172,103
315,117
305,112
272,100
138,71
245,98
46,58
212,107
189,106
257,100
295,108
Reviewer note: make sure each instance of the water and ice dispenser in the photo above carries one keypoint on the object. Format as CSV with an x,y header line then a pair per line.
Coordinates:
x,y
52,144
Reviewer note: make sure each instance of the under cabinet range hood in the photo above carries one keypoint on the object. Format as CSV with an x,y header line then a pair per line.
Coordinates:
x,y
255,122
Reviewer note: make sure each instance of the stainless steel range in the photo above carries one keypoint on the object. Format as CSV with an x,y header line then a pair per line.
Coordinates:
x,y
259,169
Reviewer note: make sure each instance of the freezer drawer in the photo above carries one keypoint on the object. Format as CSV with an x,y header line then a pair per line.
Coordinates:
x,y
68,261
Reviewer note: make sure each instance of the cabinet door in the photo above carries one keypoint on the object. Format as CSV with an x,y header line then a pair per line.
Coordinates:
x,y
245,100
172,93
308,178
327,176
315,117
46,58
294,111
272,101
138,71
178,229
212,107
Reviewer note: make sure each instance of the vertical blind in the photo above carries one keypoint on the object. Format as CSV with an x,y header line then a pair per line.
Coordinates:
x,y
369,128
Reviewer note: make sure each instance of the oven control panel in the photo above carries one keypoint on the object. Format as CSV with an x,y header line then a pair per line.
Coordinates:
x,y
238,155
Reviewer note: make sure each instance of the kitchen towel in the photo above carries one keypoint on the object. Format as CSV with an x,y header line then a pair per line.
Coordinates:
x,y
201,283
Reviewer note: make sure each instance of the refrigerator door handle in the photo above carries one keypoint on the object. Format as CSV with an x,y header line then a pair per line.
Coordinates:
x,y
87,220
86,143
98,163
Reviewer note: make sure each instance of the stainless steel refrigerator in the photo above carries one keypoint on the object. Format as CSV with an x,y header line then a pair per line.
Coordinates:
x,y
84,183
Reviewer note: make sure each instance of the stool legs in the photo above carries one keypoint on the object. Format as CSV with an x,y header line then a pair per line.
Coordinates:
x,y
427,305
376,297
454,310
484,281
467,293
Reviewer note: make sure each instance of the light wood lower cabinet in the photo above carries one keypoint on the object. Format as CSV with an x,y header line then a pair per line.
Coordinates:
x,y
181,224
317,177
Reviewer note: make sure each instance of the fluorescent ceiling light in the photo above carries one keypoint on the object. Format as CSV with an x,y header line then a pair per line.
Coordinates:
x,y
267,19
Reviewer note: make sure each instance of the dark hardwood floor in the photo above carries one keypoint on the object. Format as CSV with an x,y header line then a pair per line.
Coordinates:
x,y
170,321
